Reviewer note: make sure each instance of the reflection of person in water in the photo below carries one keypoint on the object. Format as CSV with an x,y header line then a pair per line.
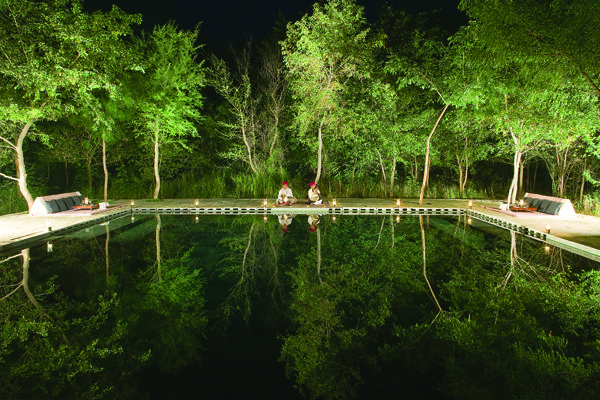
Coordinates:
x,y
285,196
285,220
313,220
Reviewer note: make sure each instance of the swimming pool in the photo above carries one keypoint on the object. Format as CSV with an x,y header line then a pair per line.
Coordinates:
x,y
298,307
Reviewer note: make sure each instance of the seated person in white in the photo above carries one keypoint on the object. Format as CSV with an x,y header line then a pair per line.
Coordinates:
x,y
285,195
314,195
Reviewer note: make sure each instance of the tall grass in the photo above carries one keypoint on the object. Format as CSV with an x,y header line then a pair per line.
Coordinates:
x,y
221,183
11,199
590,204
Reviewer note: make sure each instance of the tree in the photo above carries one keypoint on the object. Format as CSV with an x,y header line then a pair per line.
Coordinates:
x,y
325,52
424,62
49,67
169,90
543,53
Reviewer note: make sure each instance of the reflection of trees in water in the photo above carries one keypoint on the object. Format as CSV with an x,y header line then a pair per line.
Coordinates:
x,y
515,324
92,325
254,269
56,348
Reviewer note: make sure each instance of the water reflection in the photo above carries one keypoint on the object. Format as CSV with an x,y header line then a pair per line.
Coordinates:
x,y
425,307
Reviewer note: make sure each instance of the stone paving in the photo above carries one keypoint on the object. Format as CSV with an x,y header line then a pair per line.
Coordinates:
x,y
17,230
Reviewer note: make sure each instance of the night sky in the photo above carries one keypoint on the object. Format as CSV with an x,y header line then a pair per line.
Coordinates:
x,y
227,22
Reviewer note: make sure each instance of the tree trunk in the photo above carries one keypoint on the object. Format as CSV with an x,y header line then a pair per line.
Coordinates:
x,y
521,168
248,149
21,174
512,193
320,153
426,170
460,175
276,127
464,183
105,170
392,176
382,168
156,159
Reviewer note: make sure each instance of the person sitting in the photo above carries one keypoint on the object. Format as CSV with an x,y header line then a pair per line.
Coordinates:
x,y
285,197
314,195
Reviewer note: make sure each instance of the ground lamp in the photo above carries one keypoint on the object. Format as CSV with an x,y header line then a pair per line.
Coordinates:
x,y
265,203
470,203
333,218
397,219
197,219
547,249
132,204
265,219
196,203
132,217
334,202
398,203
49,247
469,221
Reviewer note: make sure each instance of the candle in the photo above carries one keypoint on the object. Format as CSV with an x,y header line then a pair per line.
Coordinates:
x,y
196,203
398,203
49,247
470,203
548,228
334,202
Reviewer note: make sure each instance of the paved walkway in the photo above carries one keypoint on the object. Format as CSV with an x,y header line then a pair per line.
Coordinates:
x,y
579,233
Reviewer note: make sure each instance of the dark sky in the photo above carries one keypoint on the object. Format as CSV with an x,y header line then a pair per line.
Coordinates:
x,y
231,21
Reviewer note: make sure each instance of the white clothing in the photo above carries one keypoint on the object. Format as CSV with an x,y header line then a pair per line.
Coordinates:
x,y
314,196
284,194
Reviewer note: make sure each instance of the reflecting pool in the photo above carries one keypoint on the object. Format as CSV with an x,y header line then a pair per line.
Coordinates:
x,y
298,306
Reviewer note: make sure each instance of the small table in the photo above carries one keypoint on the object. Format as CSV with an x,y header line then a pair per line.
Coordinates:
x,y
88,207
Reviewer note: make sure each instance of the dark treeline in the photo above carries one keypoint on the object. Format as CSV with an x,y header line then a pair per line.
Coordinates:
x,y
406,105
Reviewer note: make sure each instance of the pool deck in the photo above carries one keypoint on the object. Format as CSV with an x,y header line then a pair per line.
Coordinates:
x,y
580,235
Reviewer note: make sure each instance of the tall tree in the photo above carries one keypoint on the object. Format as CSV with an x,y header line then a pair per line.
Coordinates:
x,y
325,52
50,54
169,90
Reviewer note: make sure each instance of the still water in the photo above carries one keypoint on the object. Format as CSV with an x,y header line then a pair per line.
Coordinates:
x,y
364,307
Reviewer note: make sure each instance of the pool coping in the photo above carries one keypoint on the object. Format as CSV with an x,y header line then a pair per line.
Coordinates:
x,y
536,228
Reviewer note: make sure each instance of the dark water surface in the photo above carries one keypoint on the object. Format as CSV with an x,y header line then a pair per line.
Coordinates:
x,y
365,307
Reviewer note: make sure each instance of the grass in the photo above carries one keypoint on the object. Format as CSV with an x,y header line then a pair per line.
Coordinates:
x,y
224,184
